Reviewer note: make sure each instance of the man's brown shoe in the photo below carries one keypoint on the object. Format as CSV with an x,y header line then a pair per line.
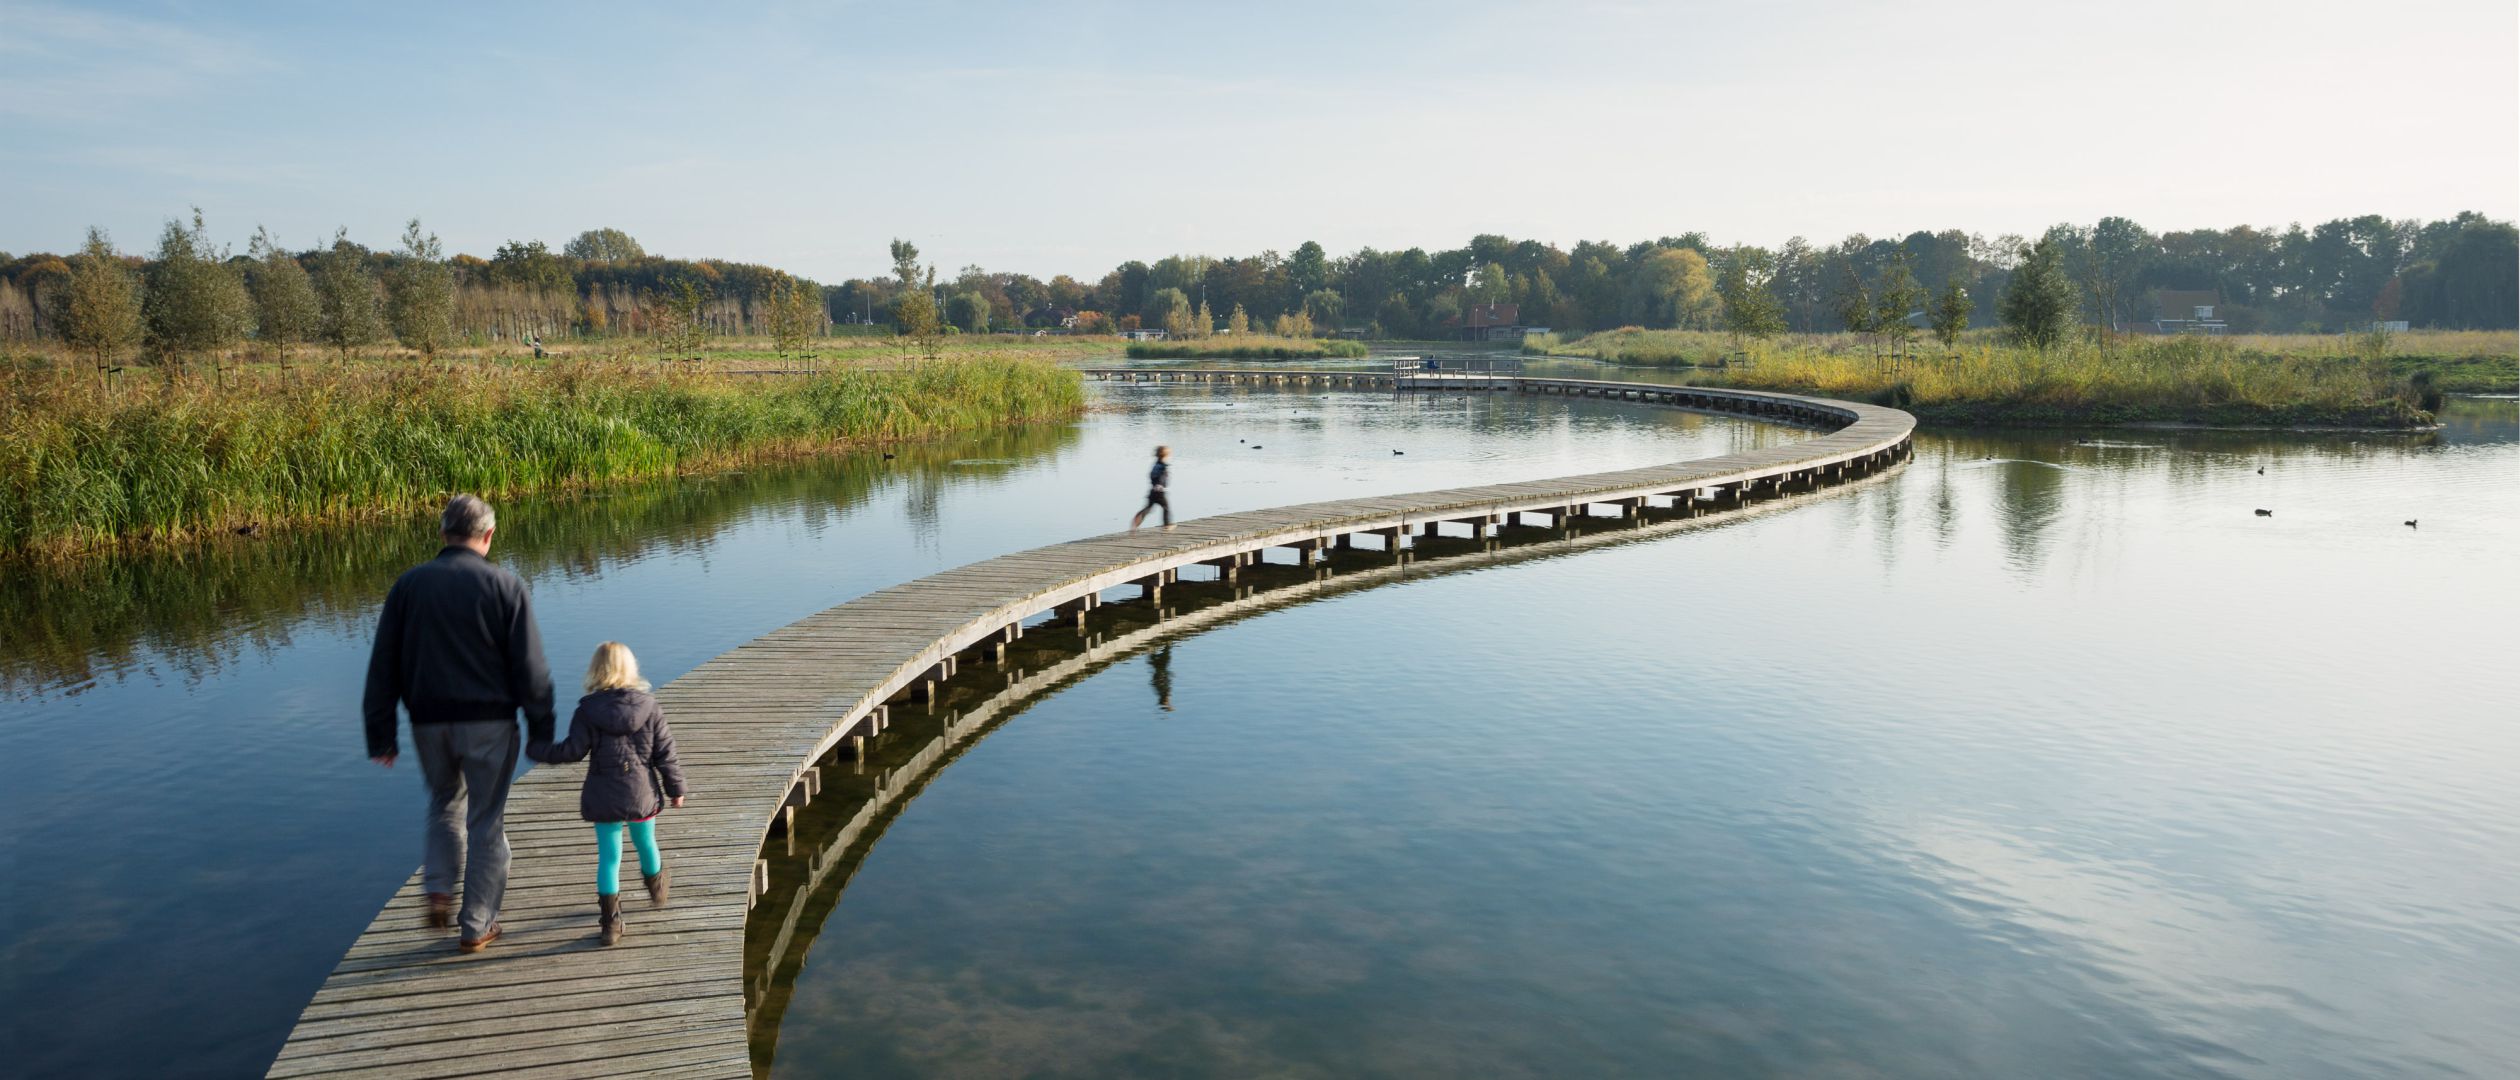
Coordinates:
x,y
441,911
473,945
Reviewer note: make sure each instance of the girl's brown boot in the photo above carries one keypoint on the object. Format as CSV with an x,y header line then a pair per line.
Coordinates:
x,y
657,887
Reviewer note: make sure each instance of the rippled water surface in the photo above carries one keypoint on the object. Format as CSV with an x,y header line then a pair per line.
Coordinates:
x,y
2043,756
194,835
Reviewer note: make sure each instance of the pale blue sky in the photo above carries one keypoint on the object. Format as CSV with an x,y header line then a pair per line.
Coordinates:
x,y
1063,138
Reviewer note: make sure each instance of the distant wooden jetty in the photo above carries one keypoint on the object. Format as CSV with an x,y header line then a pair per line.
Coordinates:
x,y
671,999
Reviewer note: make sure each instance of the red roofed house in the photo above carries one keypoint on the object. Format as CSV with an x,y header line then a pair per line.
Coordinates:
x,y
1492,322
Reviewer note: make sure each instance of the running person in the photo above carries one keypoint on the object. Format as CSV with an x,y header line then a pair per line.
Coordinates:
x,y
1156,479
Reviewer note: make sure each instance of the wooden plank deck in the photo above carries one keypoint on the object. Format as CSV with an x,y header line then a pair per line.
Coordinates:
x,y
669,1000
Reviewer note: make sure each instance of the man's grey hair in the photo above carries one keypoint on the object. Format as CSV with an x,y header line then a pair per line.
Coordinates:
x,y
466,517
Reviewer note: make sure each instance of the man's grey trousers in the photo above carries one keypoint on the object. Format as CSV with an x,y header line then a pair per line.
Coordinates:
x,y
468,766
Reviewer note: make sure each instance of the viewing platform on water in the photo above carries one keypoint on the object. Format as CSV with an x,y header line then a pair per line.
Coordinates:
x,y
673,998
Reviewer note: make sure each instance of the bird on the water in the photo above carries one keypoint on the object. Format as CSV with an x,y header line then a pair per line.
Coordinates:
x,y
2410,523
2266,513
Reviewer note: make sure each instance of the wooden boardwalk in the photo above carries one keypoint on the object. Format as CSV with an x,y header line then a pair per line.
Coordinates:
x,y
670,999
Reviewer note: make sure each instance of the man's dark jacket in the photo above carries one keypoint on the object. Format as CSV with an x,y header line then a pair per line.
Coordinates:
x,y
456,642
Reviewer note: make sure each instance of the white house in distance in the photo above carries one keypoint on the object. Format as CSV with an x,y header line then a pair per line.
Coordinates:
x,y
2183,311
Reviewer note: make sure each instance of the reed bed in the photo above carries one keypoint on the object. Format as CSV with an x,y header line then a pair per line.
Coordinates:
x,y
2172,380
1256,347
168,455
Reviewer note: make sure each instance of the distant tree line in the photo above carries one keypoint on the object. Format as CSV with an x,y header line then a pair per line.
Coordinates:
x,y
191,297
2340,275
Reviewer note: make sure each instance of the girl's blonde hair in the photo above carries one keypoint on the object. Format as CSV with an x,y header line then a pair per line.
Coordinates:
x,y
613,668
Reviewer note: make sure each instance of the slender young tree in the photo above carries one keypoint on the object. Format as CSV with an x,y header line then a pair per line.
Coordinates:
x,y
679,314
420,294
1895,297
1238,323
195,302
905,260
795,313
104,310
285,306
2038,303
345,296
1950,313
1855,303
1750,307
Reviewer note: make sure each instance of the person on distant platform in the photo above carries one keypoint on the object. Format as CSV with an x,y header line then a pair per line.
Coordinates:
x,y
631,775
1156,480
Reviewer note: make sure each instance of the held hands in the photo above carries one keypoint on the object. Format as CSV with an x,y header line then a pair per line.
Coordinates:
x,y
538,750
678,801
386,760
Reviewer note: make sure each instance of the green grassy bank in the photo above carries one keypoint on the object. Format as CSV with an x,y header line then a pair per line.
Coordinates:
x,y
164,456
2257,381
2173,381
1245,348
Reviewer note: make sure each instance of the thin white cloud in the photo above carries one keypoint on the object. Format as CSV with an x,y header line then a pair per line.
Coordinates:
x,y
73,66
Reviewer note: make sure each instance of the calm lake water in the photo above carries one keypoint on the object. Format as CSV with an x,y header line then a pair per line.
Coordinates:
x,y
2045,756
2042,755
195,836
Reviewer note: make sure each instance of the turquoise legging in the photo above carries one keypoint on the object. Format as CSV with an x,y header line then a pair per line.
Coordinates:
x,y
608,853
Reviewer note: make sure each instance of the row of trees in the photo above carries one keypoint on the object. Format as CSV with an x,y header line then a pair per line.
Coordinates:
x,y
2339,275
194,298
191,297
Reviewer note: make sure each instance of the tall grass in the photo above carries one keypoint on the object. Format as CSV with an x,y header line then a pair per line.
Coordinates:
x,y
1253,347
1636,345
2179,379
169,455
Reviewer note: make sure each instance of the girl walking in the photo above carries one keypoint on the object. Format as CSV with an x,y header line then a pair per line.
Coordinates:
x,y
631,774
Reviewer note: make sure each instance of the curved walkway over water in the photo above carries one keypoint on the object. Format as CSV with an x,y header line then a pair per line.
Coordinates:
x,y
670,999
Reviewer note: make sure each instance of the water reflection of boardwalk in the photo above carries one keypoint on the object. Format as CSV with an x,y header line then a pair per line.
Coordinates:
x,y
671,998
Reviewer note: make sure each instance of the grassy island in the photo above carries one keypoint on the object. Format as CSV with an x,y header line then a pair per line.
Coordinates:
x,y
2295,381
1249,347
168,454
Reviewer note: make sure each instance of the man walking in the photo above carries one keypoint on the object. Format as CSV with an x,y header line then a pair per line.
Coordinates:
x,y
456,647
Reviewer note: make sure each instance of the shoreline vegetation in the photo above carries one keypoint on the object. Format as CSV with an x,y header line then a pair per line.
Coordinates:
x,y
174,455
2295,381
1253,347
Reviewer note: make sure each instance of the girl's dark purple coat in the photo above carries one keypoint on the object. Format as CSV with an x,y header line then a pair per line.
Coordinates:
x,y
630,755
